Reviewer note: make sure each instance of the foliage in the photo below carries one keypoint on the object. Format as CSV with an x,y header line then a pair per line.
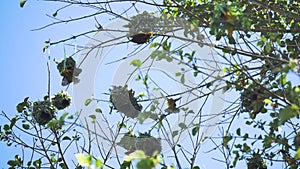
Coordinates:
x,y
257,45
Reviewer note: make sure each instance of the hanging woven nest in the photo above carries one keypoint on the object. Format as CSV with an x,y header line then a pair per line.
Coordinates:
x,y
67,69
43,112
256,162
61,100
124,101
144,142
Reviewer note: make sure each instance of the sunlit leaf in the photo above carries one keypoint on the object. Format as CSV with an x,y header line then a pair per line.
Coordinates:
x,y
153,45
45,48
37,163
136,62
297,89
99,163
297,156
53,159
267,101
62,117
93,117
135,155
87,102
84,160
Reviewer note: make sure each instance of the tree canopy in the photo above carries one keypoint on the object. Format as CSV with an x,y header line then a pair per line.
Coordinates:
x,y
187,74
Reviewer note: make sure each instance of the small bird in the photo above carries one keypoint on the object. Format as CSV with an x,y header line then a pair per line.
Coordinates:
x,y
172,107
70,75
141,37
67,77
229,23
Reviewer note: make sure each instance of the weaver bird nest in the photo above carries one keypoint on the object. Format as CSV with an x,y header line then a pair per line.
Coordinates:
x,y
43,112
61,100
124,101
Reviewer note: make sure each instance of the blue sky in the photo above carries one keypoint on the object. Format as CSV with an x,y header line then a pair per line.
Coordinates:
x,y
23,65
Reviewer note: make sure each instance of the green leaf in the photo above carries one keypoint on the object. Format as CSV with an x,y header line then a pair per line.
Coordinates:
x,y
71,117
136,62
246,136
297,156
174,133
6,127
93,117
182,79
138,78
267,101
84,160
45,48
37,163
260,43
297,89
195,130
21,106
125,165
53,159
135,155
246,148
98,110
238,131
99,163
145,163
26,126
268,47
249,122
145,80
47,41
12,163
22,3
182,125
287,113
13,121
153,45
29,163
177,74
66,138
142,94
226,139
62,117
54,14
87,102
